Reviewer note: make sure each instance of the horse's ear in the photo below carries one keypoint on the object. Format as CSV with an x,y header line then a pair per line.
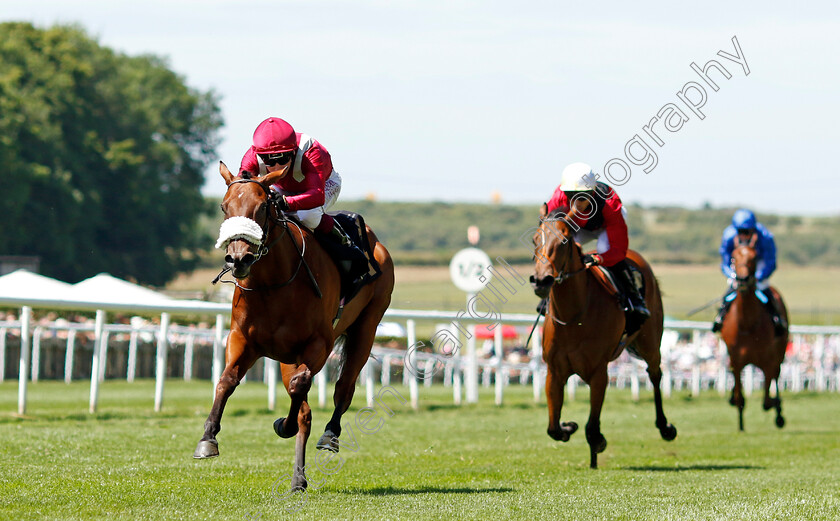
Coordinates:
x,y
543,211
273,178
226,173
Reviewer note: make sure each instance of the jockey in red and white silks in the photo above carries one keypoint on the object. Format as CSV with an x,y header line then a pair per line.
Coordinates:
x,y
310,187
598,215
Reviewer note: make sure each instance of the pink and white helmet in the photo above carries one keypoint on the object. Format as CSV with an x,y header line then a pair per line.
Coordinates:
x,y
273,136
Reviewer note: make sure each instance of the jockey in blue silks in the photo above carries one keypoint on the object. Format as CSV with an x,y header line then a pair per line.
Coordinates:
x,y
743,226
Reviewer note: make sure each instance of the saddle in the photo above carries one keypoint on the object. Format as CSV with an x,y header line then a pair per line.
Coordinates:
x,y
631,322
360,272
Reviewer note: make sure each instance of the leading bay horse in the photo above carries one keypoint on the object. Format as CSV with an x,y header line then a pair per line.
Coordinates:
x,y
749,334
584,325
286,313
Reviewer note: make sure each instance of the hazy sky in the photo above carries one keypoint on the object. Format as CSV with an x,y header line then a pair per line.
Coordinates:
x,y
455,100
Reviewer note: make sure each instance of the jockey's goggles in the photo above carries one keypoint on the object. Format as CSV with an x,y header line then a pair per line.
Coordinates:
x,y
276,159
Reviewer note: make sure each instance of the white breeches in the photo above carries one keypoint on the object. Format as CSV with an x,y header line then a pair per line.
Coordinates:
x,y
312,218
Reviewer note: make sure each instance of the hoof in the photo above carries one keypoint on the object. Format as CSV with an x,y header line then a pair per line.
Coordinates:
x,y
278,428
328,441
299,484
668,432
565,432
206,449
780,422
600,446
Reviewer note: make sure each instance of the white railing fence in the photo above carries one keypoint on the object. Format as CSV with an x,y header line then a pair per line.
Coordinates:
x,y
693,359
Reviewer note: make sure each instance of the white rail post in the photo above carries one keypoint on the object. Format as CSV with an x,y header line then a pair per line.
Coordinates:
x,y
321,379
819,362
94,366
25,323
471,373
218,351
385,375
69,355
369,386
665,362
189,346
160,360
131,371
456,380
500,358
271,374
410,363
36,353
536,356
103,356
2,353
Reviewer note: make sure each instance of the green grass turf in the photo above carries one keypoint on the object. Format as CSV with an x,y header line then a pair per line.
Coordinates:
x,y
441,462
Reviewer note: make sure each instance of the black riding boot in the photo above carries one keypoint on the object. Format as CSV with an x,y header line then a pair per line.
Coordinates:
x,y
634,302
779,324
352,259
721,314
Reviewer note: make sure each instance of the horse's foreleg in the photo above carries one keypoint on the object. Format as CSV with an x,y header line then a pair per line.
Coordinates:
x,y
666,430
304,422
554,388
298,381
737,398
597,390
240,360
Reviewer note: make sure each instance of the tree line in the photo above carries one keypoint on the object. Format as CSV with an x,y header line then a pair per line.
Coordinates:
x,y
102,157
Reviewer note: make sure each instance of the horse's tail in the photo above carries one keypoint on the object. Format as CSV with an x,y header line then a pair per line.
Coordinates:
x,y
338,349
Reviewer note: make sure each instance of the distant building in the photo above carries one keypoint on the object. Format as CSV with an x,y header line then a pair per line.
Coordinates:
x,y
10,263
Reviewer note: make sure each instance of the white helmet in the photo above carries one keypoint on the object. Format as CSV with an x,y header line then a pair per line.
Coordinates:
x,y
578,177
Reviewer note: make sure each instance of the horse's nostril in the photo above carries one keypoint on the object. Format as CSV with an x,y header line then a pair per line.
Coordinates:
x,y
228,259
248,259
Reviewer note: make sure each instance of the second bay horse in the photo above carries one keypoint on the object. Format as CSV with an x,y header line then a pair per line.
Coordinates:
x,y
749,335
284,306
583,328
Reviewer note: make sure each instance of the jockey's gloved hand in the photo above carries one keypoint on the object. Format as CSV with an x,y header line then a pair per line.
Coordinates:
x,y
591,259
282,204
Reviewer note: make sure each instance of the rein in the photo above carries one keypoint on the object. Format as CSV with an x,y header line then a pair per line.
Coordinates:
x,y
263,248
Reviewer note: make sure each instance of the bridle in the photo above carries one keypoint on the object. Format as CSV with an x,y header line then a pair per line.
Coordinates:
x,y
561,276
741,282
271,201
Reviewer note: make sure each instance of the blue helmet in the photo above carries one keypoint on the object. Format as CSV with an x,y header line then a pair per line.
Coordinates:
x,y
743,220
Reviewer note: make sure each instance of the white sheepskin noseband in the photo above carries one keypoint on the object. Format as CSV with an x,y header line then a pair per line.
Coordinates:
x,y
239,227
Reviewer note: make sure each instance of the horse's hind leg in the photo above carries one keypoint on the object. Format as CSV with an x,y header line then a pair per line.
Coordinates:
x,y
554,387
357,346
597,390
666,430
240,359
